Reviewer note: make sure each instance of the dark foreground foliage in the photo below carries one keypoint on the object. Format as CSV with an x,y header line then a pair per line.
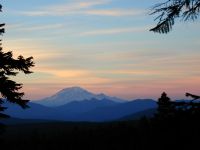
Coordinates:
x,y
170,10
9,67
177,132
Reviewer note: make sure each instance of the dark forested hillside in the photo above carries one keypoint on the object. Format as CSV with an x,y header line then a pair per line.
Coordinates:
x,y
129,135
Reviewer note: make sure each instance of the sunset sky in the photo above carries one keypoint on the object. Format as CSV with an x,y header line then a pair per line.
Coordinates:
x,y
102,45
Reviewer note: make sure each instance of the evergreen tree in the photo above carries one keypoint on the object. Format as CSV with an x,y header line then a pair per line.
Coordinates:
x,y
172,9
165,106
9,89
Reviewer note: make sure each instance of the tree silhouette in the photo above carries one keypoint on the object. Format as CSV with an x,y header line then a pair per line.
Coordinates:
x,y
195,97
11,67
165,106
172,9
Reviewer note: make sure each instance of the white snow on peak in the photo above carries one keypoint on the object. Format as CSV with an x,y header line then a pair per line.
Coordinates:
x,y
70,94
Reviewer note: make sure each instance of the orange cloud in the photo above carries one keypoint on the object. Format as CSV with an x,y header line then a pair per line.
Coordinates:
x,y
114,12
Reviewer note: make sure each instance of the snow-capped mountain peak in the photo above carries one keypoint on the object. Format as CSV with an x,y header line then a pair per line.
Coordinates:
x,y
72,89
70,94
73,92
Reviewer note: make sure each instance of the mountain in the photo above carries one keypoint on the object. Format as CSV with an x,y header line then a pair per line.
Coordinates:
x,y
65,112
71,94
36,111
118,111
93,110
78,107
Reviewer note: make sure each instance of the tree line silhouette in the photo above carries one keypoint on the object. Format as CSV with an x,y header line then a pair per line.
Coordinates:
x,y
174,126
9,66
168,108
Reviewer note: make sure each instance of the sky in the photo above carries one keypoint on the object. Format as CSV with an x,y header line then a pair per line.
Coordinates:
x,y
102,45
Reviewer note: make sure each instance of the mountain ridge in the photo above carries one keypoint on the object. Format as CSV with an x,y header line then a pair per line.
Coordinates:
x,y
70,94
88,110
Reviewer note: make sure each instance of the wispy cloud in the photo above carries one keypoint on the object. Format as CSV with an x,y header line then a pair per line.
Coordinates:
x,y
64,73
32,27
42,27
78,5
113,31
114,12
82,8
65,9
